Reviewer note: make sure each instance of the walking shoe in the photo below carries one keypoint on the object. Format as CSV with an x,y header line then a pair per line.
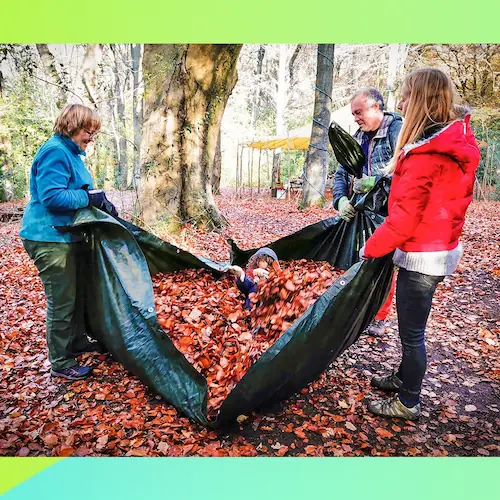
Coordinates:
x,y
376,328
390,383
76,372
393,407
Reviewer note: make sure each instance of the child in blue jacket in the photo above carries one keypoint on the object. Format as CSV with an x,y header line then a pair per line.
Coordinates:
x,y
257,268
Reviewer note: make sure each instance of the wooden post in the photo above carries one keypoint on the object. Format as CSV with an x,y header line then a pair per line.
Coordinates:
x,y
267,159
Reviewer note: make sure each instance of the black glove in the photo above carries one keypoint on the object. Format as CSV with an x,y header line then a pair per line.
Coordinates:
x,y
97,198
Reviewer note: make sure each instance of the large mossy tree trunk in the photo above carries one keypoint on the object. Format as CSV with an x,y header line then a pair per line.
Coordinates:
x,y
186,92
316,165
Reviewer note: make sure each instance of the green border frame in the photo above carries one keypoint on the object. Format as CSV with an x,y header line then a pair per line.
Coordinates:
x,y
269,21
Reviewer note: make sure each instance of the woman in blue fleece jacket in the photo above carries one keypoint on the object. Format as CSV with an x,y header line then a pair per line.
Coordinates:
x,y
59,185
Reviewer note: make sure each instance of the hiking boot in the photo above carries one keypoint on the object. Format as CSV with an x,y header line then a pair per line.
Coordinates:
x,y
376,328
390,383
76,372
393,407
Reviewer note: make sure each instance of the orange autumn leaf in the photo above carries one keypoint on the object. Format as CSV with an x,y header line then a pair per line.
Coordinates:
x,y
384,432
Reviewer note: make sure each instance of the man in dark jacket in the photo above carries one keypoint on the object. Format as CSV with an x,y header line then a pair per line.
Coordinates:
x,y
377,134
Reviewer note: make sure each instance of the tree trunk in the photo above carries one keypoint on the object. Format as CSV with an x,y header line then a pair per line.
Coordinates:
x,y
281,96
6,191
91,71
119,108
217,171
49,66
396,58
137,114
187,88
315,169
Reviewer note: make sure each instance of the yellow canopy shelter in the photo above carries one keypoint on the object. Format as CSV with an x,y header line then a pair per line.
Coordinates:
x,y
298,139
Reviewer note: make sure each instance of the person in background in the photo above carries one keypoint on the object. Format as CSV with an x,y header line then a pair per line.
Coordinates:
x,y
257,269
433,179
377,135
59,186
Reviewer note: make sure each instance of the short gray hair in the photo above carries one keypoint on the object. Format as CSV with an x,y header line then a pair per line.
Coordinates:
x,y
372,96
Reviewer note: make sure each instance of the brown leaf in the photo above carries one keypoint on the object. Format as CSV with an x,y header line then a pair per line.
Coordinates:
x,y
50,439
384,432
66,452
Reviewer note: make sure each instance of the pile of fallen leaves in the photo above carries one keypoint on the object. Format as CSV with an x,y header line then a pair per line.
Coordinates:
x,y
114,414
206,319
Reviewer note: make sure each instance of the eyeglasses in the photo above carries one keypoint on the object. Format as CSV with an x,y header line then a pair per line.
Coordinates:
x,y
92,135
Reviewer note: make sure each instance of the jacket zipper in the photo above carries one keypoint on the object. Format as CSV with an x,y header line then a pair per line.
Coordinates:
x,y
370,156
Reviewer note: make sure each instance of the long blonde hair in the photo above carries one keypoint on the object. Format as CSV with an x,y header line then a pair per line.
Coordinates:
x,y
430,103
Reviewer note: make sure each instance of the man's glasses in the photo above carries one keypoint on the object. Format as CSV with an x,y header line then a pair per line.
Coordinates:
x,y
92,135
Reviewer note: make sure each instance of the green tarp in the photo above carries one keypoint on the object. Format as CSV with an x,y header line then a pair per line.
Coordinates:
x,y
121,314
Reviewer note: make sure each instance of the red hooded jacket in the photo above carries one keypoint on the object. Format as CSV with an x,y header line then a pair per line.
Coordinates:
x,y
431,189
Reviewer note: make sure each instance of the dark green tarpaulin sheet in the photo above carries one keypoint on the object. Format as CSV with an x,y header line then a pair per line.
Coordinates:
x,y
121,311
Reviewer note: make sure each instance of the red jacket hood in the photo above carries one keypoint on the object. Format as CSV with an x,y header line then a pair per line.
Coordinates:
x,y
456,140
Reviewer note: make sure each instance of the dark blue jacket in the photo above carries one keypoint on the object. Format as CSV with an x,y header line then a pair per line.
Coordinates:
x,y
247,286
57,175
380,151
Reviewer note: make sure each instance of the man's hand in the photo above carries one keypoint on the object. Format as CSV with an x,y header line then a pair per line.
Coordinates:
x,y
364,184
236,271
346,210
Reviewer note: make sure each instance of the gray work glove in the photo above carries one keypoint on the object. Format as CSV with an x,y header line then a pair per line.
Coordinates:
x,y
346,210
364,184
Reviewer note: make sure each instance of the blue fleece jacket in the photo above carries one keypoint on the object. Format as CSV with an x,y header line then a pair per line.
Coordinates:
x,y
57,176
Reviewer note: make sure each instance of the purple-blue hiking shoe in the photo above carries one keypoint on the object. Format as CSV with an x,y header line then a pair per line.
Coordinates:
x,y
76,372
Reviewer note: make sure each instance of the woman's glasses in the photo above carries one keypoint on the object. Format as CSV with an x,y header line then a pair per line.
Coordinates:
x,y
92,135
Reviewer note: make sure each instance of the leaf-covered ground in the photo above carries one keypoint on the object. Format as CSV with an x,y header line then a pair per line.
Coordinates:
x,y
113,413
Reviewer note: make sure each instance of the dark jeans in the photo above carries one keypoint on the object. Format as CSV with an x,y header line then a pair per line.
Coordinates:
x,y
60,266
413,302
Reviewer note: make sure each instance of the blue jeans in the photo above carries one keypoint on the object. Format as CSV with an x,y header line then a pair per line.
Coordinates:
x,y
413,302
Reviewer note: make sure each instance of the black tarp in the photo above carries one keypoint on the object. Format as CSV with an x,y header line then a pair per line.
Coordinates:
x,y
121,311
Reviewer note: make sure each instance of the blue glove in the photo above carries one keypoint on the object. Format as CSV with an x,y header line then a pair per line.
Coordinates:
x,y
97,198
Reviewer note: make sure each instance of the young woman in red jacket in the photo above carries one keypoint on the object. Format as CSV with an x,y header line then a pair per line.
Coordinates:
x,y
433,178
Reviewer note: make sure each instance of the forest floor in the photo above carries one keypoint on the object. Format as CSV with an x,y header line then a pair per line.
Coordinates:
x,y
113,413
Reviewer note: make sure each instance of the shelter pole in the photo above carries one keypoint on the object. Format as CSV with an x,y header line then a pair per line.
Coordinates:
x,y
248,166
267,158
258,173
